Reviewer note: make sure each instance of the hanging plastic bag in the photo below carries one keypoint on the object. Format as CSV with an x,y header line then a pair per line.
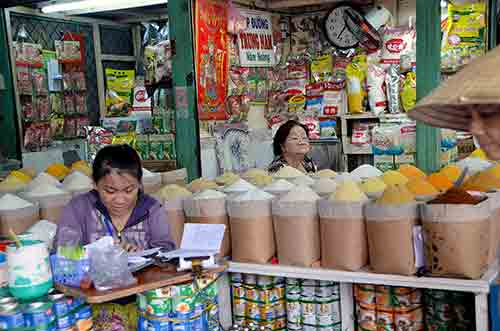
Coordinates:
x,y
409,91
377,98
356,76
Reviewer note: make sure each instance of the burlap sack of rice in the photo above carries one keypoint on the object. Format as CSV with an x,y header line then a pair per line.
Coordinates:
x,y
390,237
209,211
457,239
494,202
344,244
52,207
296,227
178,177
252,233
18,220
176,218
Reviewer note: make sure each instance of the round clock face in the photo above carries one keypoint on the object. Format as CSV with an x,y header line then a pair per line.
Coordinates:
x,y
336,29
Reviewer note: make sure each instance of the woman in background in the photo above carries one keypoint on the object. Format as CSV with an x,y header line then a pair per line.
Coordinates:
x,y
290,145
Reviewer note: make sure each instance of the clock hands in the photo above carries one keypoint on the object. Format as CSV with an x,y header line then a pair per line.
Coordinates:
x,y
341,32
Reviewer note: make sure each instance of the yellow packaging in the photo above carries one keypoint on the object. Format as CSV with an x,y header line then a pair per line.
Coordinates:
x,y
409,91
322,68
356,76
129,139
119,90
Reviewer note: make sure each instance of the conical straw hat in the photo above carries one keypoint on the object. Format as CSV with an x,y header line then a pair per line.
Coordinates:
x,y
474,88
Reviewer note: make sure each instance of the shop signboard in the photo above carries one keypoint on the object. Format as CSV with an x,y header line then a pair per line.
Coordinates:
x,y
256,41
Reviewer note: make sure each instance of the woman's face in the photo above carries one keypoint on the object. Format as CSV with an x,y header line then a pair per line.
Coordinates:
x,y
118,192
297,142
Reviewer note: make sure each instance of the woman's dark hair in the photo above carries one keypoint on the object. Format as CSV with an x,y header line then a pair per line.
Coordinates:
x,y
282,134
122,158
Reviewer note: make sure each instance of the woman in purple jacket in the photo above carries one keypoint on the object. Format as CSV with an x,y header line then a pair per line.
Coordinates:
x,y
117,206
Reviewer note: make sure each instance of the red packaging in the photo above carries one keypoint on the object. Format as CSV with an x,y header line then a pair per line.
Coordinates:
x,y
80,103
82,123
312,124
29,112
43,108
67,82
45,135
361,135
32,138
78,81
24,84
69,103
397,42
70,127
39,83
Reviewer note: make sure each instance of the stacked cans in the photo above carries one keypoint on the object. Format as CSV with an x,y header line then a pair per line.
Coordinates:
x,y
312,305
446,310
54,313
186,307
259,300
389,308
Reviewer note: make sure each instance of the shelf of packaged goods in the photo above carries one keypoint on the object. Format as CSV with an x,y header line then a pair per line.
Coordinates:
x,y
362,277
360,116
352,149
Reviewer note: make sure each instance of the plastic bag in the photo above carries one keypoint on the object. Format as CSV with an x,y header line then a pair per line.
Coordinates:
x,y
377,98
109,265
409,91
356,76
398,42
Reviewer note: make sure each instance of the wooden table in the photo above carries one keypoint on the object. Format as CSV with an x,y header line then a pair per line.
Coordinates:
x,y
149,279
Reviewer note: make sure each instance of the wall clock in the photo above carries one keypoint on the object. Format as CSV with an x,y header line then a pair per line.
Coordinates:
x,y
336,29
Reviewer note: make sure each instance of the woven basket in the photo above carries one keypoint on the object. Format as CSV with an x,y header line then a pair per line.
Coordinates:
x,y
474,88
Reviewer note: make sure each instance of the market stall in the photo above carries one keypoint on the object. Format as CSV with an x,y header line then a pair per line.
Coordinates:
x,y
369,241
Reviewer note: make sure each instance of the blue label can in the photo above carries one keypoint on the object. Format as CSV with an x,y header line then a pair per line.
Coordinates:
x,y
84,313
142,323
39,313
11,317
159,325
62,304
65,322
181,326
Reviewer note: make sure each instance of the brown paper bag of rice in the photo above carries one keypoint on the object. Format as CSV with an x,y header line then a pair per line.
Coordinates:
x,y
494,201
209,207
296,227
344,244
252,233
390,237
457,239
176,219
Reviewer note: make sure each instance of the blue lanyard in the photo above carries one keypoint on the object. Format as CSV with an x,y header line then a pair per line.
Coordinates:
x,y
107,224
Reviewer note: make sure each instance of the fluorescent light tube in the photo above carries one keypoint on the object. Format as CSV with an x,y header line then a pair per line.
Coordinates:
x,y
92,6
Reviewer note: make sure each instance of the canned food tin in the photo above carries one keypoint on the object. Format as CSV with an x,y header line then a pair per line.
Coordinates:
x,y
267,325
325,314
293,312
253,311
142,303
280,323
309,319
279,293
280,308
386,319
267,312
183,290
164,292
239,307
265,281
250,280
39,313
239,292
61,304
11,317
7,300
142,323
306,327
410,319
462,314
160,307
239,320
83,318
294,282
65,322
365,294
267,296
251,294
76,303
237,278
326,328
294,327
198,323
279,281
160,324
182,304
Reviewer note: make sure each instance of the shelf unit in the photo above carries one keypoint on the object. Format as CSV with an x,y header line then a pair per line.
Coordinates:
x,y
480,288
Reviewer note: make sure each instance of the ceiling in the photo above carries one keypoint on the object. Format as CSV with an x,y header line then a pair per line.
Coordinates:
x,y
11,3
